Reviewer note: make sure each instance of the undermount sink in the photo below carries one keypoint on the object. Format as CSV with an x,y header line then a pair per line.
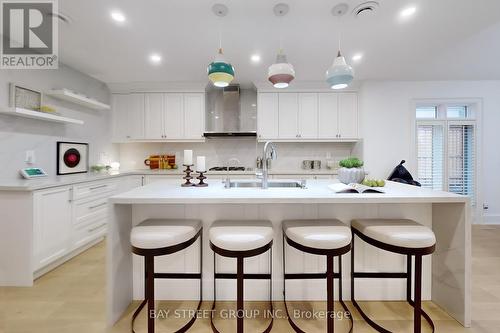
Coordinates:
x,y
258,184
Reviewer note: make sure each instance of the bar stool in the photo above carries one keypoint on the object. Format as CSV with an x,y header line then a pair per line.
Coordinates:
x,y
330,238
159,237
400,236
241,239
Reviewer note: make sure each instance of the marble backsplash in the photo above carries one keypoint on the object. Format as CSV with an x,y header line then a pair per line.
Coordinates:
x,y
219,151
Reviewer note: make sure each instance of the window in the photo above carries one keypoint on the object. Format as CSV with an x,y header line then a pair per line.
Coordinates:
x,y
446,148
426,112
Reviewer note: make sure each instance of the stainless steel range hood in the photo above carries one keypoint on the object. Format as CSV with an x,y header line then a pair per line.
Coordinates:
x,y
231,112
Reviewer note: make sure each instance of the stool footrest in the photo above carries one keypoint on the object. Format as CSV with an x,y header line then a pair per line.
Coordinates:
x,y
260,276
177,275
375,275
300,276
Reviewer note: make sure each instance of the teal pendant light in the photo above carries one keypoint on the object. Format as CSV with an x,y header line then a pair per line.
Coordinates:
x,y
220,72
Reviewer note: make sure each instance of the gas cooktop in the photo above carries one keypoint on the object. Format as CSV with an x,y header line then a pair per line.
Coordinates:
x,y
225,169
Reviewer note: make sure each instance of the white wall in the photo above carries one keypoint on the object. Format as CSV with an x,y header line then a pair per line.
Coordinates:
x,y
386,111
20,134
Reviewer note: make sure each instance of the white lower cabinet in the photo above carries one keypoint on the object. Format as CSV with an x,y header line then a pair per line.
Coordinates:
x,y
51,224
67,218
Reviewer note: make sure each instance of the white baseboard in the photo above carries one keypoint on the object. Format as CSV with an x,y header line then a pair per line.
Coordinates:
x,y
60,261
491,219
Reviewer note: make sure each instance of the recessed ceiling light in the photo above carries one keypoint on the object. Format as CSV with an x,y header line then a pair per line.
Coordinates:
x,y
255,58
118,16
407,12
357,57
155,58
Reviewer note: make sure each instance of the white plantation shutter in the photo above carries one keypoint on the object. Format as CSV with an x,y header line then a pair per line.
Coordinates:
x,y
461,158
430,155
446,148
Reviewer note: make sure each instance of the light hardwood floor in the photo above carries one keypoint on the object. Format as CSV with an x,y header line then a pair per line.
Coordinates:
x,y
71,299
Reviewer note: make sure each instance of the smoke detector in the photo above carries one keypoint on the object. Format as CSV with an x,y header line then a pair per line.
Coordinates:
x,y
220,9
281,9
365,9
340,9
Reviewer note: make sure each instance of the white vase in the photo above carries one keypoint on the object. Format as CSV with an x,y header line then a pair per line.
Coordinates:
x,y
352,175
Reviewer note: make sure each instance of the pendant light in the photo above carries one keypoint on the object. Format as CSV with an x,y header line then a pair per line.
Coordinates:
x,y
220,72
281,73
340,74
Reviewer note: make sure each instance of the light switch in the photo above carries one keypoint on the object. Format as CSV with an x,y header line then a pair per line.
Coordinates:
x,y
30,157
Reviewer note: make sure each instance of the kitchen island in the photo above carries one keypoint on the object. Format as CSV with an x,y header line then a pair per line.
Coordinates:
x,y
447,274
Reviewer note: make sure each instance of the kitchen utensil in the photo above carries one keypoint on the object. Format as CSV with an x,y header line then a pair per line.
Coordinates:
x,y
153,161
316,164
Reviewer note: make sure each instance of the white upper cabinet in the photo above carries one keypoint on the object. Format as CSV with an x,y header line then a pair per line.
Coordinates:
x,y
194,116
158,116
128,117
348,116
288,116
328,115
267,116
307,116
174,116
153,116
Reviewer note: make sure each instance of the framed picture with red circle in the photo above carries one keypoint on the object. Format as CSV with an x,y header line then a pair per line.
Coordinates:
x,y
72,157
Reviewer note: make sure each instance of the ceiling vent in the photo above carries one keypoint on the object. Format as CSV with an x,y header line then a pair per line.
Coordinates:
x,y
61,17
365,9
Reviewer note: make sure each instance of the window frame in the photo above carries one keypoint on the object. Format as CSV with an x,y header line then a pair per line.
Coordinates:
x,y
475,107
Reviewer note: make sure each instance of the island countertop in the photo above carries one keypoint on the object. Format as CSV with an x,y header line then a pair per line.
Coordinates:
x,y
316,191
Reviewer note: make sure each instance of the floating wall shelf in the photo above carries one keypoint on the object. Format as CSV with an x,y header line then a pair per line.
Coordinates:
x,y
19,112
73,97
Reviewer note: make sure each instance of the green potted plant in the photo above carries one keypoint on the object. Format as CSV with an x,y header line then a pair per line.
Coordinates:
x,y
351,170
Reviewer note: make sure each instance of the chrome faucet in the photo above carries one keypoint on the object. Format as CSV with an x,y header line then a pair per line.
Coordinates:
x,y
227,183
269,150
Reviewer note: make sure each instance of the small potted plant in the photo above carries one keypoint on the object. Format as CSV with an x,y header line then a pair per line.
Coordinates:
x,y
351,170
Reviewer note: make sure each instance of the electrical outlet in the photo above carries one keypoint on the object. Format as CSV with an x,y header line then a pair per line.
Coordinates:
x,y
485,206
30,157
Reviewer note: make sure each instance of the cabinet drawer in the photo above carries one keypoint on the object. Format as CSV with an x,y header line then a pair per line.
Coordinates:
x,y
87,211
85,234
86,190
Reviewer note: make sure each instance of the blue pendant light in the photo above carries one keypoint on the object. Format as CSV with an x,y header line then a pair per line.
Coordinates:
x,y
340,75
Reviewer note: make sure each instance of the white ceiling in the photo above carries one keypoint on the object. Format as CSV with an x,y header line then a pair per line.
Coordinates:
x,y
444,40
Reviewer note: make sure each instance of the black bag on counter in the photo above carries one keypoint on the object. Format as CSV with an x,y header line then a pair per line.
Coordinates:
x,y
401,175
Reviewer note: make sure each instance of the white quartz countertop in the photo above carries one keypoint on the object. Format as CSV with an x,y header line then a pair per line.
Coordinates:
x,y
20,184
317,191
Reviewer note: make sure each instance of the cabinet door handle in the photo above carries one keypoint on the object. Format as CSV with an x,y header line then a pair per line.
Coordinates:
x,y
99,205
97,227
97,187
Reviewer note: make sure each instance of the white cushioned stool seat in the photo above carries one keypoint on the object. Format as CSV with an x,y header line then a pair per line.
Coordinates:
x,y
241,235
328,234
397,232
159,233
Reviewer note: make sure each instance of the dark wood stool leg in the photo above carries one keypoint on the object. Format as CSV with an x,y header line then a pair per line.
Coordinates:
x,y
239,295
150,284
417,325
352,267
329,286
408,278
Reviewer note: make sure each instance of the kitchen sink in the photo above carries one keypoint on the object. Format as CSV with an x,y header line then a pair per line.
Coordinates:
x,y
270,184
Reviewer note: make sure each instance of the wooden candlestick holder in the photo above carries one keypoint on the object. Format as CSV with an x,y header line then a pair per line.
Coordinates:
x,y
201,178
188,177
